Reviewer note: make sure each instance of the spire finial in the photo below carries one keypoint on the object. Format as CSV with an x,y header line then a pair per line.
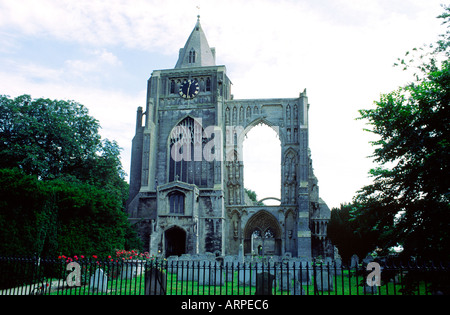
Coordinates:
x,y
198,15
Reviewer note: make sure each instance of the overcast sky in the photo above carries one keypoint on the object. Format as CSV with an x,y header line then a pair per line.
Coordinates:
x,y
101,54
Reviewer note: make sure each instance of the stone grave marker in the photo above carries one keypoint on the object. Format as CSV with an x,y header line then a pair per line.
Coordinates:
x,y
155,282
98,281
264,282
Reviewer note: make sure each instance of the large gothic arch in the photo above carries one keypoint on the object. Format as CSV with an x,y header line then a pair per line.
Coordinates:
x,y
266,226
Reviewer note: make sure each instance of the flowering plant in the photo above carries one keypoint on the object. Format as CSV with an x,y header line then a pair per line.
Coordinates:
x,y
132,254
89,263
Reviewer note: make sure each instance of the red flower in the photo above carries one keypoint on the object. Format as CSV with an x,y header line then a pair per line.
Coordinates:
x,y
94,256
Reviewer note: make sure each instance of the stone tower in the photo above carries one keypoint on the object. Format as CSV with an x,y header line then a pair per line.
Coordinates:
x,y
186,181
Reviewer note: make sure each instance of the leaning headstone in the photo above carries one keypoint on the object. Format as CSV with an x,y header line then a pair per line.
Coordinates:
x,y
354,262
155,282
98,281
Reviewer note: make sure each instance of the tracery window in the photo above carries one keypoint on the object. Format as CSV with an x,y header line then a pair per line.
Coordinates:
x,y
176,202
186,161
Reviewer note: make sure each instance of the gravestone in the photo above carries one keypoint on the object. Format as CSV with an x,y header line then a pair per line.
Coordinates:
x,y
229,266
185,270
264,282
324,279
338,264
354,262
209,273
132,268
98,281
284,279
246,274
297,289
205,271
302,271
241,253
155,282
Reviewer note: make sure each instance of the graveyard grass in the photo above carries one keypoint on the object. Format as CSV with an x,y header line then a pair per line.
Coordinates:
x,y
346,284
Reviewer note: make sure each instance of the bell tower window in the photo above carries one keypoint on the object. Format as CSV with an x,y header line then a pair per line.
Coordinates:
x,y
192,56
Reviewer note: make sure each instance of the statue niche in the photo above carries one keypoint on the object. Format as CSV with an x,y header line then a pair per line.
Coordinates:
x,y
234,169
289,170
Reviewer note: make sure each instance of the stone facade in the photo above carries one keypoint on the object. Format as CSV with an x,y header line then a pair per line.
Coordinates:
x,y
186,181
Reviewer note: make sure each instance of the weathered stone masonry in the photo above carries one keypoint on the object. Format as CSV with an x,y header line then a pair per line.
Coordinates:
x,y
186,181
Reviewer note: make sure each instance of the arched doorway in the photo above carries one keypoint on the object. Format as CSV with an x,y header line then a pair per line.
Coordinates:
x,y
175,241
262,235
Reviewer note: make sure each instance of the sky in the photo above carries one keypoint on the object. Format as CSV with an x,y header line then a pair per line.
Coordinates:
x,y
101,53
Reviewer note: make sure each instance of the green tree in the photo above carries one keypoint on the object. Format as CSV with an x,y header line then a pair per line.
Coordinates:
x,y
23,205
63,187
253,197
46,137
345,234
408,202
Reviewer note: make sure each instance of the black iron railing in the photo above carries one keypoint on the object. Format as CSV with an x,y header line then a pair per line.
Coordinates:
x,y
26,276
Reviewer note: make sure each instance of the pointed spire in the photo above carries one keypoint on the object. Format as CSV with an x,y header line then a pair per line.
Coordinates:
x,y
196,52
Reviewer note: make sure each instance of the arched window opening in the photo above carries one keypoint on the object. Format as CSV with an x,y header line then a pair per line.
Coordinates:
x,y
192,56
262,163
187,162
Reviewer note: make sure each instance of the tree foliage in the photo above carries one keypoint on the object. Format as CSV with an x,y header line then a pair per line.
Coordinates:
x,y
62,186
408,202
345,233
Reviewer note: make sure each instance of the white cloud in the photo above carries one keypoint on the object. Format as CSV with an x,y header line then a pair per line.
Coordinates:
x,y
97,62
